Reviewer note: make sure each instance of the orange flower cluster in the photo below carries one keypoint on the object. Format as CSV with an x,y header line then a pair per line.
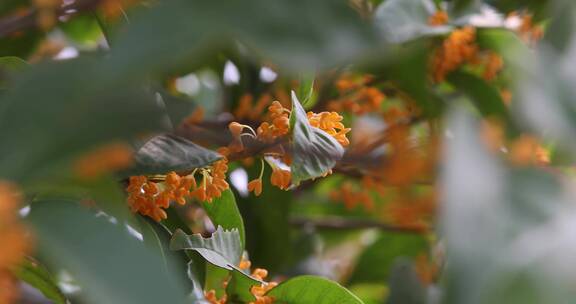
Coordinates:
x,y
438,18
150,199
414,211
104,159
14,240
459,48
260,291
279,124
492,66
331,123
357,96
352,197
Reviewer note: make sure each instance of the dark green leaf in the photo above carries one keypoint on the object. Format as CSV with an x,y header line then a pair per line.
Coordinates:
x,y
165,153
312,289
314,151
35,274
376,261
485,97
111,265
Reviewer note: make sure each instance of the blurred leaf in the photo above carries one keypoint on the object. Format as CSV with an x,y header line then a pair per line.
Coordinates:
x,y
35,274
113,266
67,119
224,212
10,65
376,261
297,34
485,97
405,286
83,29
165,153
312,289
459,8
222,249
314,151
510,214
404,20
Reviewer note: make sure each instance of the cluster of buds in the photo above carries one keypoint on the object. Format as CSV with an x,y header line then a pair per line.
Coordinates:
x,y
150,198
258,291
459,48
14,240
276,126
357,96
528,30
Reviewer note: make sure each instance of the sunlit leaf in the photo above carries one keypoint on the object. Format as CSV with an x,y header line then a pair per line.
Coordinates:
x,y
312,289
35,274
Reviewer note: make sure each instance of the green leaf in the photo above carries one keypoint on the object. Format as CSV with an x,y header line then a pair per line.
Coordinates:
x,y
509,213
165,153
306,89
90,110
222,249
111,265
485,97
83,29
224,212
312,289
405,286
10,65
404,20
314,151
376,261
459,8
35,274
238,288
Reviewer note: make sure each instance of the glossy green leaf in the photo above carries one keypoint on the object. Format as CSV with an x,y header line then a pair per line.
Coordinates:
x,y
224,212
37,276
165,153
306,90
314,151
312,289
111,265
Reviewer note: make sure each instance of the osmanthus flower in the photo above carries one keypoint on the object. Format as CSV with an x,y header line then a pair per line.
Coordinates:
x,y
259,292
15,240
459,48
151,198
439,17
356,95
331,123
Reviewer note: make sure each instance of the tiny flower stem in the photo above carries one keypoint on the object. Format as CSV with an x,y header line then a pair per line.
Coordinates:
x,y
261,168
